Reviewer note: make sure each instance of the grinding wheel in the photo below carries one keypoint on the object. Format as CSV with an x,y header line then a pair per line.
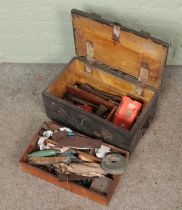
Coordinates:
x,y
114,163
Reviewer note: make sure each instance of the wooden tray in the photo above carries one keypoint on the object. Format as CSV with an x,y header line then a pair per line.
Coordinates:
x,y
70,186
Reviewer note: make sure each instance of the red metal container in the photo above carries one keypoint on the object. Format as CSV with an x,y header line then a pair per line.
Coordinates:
x,y
127,112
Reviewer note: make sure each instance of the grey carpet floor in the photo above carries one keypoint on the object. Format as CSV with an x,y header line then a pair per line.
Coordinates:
x,y
154,176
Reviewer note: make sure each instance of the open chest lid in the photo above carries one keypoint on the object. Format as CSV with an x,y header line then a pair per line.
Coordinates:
x,y
122,49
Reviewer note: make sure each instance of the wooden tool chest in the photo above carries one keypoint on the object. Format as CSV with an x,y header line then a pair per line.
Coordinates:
x,y
115,60
112,62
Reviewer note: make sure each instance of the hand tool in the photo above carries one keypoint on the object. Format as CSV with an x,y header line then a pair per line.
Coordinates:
x,y
111,114
59,135
101,185
78,142
88,156
127,112
50,152
114,163
85,107
99,93
83,169
91,98
101,110
85,158
49,160
81,101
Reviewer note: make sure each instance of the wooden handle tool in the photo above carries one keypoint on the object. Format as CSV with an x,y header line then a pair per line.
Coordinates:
x,y
49,160
89,97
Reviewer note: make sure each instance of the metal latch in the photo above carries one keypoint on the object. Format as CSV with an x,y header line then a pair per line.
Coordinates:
x,y
90,51
144,72
116,33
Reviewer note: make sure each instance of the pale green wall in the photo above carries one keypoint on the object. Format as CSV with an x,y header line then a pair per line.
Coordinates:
x,y
41,30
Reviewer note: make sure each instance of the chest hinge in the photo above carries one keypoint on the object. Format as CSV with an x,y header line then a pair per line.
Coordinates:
x,y
142,79
90,52
144,73
90,56
116,33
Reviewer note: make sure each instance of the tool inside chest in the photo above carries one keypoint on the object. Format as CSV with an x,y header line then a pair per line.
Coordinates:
x,y
48,157
98,92
88,91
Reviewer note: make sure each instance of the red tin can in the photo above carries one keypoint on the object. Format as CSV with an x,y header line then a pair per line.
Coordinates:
x,y
127,112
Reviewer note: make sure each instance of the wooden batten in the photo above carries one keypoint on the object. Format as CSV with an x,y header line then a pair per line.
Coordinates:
x,y
119,48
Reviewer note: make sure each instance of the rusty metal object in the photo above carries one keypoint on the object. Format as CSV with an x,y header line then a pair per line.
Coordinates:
x,y
77,142
51,152
86,107
59,135
81,101
99,93
111,114
101,185
101,110
91,98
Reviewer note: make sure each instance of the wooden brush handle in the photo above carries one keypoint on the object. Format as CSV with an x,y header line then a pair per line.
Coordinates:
x,y
49,160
